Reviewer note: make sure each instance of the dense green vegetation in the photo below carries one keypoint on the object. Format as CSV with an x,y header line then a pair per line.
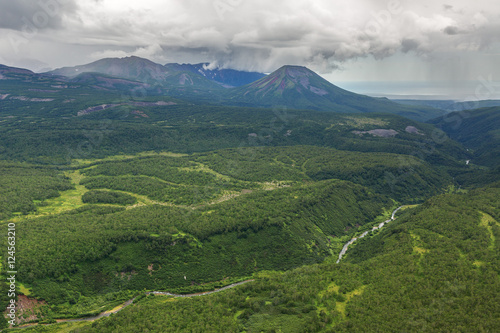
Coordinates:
x,y
108,197
56,131
23,185
405,178
116,189
280,207
155,189
435,269
478,130
277,229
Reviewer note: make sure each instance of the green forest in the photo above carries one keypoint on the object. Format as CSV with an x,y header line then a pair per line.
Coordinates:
x,y
434,269
159,194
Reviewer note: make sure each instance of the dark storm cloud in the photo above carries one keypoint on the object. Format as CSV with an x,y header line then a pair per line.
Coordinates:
x,y
252,34
408,45
322,34
41,14
450,30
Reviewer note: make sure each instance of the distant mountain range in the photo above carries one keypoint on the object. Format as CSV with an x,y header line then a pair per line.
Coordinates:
x,y
451,105
293,87
224,76
140,70
146,71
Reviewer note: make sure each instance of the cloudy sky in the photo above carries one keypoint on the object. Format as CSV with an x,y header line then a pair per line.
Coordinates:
x,y
435,41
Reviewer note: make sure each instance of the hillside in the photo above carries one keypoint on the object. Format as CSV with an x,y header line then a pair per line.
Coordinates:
x,y
434,269
128,177
187,226
478,130
108,82
134,68
110,125
127,223
13,72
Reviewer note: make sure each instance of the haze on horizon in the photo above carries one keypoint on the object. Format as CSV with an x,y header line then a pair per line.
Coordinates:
x,y
453,43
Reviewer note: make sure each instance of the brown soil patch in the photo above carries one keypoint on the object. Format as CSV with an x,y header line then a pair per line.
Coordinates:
x,y
27,309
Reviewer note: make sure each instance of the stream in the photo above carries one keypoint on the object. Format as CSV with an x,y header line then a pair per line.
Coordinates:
x,y
130,301
380,226
127,303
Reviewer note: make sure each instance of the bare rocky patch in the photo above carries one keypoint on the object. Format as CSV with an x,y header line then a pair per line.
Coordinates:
x,y
384,133
413,130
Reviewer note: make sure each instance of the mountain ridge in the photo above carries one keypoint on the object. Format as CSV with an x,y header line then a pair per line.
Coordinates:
x,y
142,70
295,87
227,77
146,71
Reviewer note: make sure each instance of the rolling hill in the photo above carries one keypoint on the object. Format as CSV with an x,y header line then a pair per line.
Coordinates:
x,y
12,72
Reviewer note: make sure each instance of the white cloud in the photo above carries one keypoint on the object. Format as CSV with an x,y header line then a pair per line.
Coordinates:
x,y
153,52
109,54
263,35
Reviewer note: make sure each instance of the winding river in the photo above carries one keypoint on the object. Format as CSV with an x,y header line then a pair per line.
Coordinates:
x,y
127,303
380,226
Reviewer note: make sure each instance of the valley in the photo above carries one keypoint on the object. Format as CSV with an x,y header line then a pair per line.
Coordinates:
x,y
158,293
134,186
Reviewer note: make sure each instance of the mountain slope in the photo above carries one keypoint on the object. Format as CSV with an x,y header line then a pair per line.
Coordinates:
x,y
266,229
475,129
224,76
103,81
290,86
300,88
24,78
130,67
434,269
143,70
9,72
